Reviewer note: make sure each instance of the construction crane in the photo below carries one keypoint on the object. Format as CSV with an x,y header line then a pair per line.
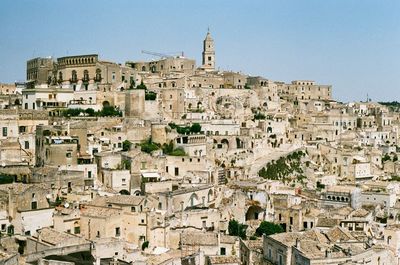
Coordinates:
x,y
163,55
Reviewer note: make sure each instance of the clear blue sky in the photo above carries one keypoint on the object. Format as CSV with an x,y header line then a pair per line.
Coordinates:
x,y
352,44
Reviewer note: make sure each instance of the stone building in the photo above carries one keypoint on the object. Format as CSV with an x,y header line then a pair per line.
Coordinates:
x,y
305,90
38,70
134,103
46,98
165,65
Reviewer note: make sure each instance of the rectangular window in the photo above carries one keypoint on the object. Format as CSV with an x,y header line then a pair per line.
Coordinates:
x,y
89,174
26,144
77,230
5,131
34,205
223,251
3,227
117,231
176,171
280,260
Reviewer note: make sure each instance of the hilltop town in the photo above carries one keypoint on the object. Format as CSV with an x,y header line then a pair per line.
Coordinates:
x,y
170,162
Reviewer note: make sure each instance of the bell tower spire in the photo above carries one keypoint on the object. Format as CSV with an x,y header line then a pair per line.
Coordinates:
x,y
208,52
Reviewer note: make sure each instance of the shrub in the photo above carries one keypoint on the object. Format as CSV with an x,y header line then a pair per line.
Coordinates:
x,y
141,86
236,229
268,228
126,145
148,146
150,95
178,152
259,116
145,245
195,128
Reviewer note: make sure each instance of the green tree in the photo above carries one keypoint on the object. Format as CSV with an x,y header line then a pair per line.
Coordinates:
x,y
195,128
90,112
126,145
178,152
237,229
145,245
168,148
259,116
5,178
142,86
110,111
126,164
385,158
268,228
150,95
148,146
72,112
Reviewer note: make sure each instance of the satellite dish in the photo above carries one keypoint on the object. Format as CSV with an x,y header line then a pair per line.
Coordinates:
x,y
66,205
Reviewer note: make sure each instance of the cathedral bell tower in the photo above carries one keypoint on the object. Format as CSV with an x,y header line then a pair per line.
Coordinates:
x,y
208,53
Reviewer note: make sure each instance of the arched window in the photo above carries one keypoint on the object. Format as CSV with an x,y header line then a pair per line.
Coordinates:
x,y
210,195
60,77
193,199
77,228
98,74
74,76
86,75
